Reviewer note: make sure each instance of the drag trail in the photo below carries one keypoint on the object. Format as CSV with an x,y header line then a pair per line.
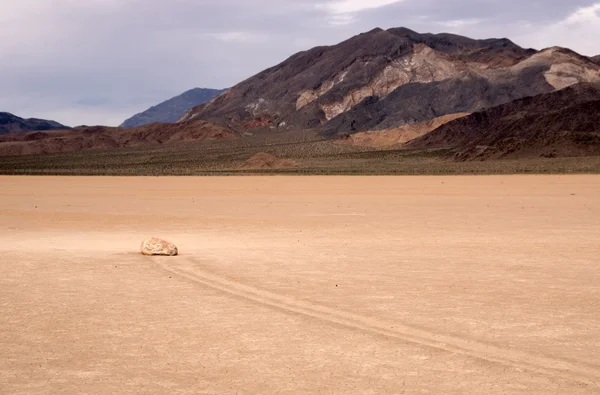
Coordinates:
x,y
188,269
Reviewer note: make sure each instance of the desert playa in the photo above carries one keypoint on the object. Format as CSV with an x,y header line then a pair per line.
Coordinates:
x,y
288,285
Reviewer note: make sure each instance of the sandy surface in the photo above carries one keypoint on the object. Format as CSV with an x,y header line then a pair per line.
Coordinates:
x,y
371,285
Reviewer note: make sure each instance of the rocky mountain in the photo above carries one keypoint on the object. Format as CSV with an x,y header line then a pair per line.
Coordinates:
x,y
171,110
561,123
596,58
387,78
384,89
103,137
10,123
398,136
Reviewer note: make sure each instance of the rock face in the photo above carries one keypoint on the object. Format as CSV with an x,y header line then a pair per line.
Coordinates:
x,y
155,246
557,124
10,123
171,110
387,78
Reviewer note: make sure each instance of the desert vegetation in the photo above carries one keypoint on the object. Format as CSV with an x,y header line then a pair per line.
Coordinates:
x,y
310,153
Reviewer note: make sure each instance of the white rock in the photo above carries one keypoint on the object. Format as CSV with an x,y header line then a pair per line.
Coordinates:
x,y
155,246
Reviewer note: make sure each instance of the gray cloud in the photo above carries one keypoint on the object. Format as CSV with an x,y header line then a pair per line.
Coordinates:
x,y
100,61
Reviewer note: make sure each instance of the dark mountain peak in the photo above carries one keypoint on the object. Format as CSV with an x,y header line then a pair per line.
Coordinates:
x,y
499,43
6,117
171,110
10,123
448,42
373,31
403,32
200,91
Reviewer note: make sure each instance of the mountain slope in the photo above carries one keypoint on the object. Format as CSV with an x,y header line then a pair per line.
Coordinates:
x,y
386,78
398,136
108,138
561,123
419,102
596,58
10,123
171,110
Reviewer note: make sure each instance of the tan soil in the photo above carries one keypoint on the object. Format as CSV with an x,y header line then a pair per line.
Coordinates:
x,y
387,138
440,285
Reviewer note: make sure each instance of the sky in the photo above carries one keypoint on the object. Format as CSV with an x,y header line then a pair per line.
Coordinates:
x,y
98,62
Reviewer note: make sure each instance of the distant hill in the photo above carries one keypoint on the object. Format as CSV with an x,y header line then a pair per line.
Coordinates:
x,y
556,124
596,59
107,138
10,123
171,110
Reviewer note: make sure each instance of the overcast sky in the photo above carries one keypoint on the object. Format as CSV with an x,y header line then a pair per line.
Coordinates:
x,y
101,61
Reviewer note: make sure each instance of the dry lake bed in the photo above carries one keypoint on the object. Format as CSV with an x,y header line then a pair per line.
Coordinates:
x,y
347,285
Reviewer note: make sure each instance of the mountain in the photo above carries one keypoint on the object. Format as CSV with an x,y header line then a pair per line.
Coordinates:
x,y
386,78
10,123
384,89
398,136
171,110
103,137
596,58
561,123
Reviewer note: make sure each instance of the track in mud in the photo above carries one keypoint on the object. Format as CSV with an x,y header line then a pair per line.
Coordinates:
x,y
189,270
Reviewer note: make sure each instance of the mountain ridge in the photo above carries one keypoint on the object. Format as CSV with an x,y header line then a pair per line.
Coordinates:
x,y
109,138
562,123
171,110
10,123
